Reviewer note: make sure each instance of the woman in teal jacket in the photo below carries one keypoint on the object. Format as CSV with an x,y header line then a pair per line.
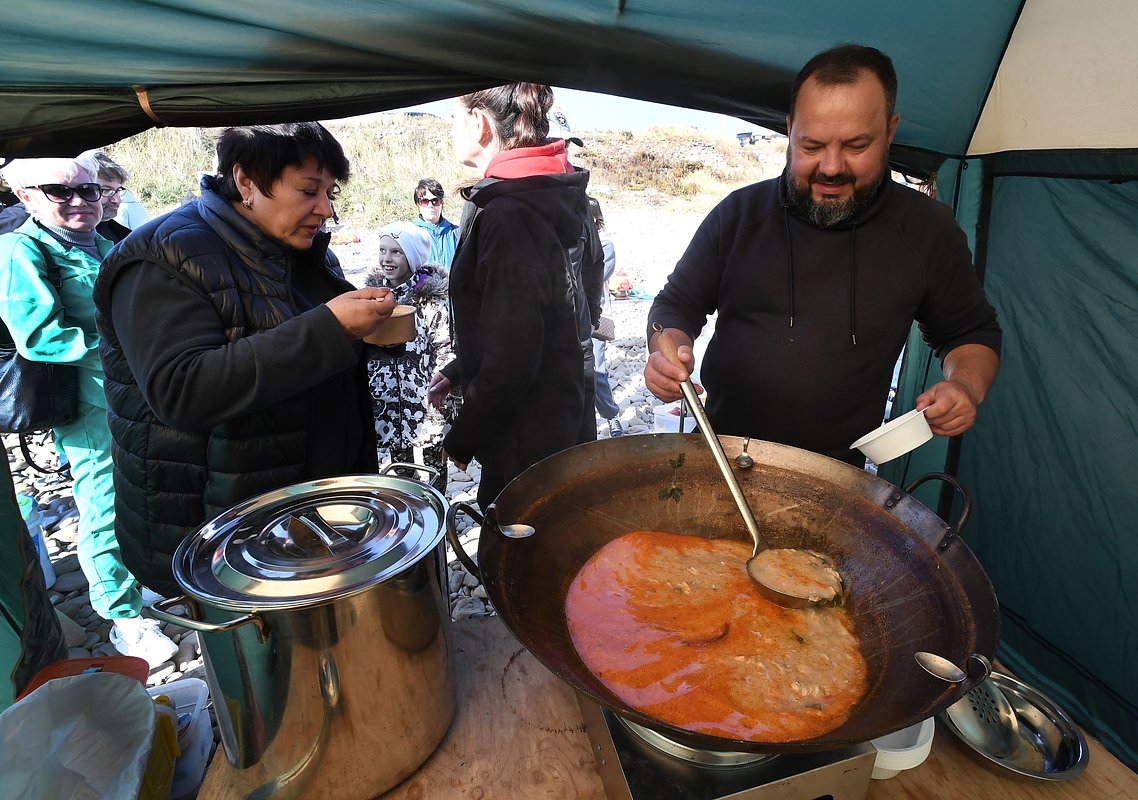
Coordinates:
x,y
65,204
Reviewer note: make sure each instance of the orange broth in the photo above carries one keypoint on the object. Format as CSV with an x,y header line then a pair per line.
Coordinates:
x,y
674,627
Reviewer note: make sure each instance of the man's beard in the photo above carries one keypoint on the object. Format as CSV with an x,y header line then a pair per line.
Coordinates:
x,y
829,213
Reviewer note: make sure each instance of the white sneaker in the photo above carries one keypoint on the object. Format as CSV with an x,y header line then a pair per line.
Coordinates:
x,y
149,596
136,636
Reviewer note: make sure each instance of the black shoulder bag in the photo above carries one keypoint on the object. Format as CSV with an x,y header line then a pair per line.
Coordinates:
x,y
35,395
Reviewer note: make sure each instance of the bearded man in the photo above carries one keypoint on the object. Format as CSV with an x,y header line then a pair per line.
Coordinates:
x,y
818,275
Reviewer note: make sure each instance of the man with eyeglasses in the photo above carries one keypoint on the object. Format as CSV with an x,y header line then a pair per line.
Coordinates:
x,y
444,233
111,178
57,325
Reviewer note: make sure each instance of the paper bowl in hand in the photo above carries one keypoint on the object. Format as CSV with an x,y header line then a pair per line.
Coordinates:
x,y
895,438
399,328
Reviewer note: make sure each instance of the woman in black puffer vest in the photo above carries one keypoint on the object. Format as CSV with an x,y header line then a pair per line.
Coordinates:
x,y
231,345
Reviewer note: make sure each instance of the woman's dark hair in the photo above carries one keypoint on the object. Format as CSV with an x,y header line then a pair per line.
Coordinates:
x,y
428,186
520,112
596,213
264,151
844,64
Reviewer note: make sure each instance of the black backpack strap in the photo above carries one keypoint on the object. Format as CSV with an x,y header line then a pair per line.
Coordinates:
x,y
55,279
53,276
31,462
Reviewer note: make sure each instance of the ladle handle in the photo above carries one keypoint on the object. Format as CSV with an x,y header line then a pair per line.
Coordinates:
x,y
669,350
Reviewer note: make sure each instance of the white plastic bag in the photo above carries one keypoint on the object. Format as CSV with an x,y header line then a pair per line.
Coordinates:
x,y
83,737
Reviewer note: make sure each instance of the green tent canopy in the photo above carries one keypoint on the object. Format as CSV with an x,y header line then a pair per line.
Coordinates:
x,y
1026,111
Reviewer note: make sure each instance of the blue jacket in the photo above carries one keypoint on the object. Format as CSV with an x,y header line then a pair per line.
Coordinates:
x,y
444,240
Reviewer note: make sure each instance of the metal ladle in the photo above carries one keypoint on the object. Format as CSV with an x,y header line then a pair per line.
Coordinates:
x,y
818,567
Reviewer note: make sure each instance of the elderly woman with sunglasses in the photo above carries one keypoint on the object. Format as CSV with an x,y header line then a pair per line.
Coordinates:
x,y
58,326
232,344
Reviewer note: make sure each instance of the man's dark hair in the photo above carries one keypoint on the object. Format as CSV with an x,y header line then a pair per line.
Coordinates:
x,y
428,186
109,169
264,151
844,64
596,213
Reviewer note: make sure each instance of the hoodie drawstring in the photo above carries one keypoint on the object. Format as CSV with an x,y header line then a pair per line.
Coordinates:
x,y
853,286
853,275
789,260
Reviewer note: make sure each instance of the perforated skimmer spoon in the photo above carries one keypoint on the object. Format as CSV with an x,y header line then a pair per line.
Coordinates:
x,y
788,577
983,715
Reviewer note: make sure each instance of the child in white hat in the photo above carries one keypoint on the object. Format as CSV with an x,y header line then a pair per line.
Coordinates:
x,y
407,428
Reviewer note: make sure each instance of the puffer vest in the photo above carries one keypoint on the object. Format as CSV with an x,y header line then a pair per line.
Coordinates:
x,y
168,481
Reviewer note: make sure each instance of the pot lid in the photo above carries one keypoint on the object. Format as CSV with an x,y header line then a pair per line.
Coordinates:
x,y
311,543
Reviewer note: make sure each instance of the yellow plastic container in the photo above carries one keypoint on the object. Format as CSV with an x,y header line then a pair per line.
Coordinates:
x,y
159,775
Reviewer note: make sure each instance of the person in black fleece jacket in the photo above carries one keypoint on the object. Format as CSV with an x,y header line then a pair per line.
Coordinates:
x,y
817,277
518,355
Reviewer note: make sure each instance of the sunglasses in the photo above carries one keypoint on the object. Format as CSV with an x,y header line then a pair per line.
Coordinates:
x,y
59,193
430,201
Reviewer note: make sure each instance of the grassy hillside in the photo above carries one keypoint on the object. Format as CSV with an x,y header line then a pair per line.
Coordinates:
x,y
389,153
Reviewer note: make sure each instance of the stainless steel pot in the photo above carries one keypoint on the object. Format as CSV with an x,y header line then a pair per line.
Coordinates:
x,y
322,614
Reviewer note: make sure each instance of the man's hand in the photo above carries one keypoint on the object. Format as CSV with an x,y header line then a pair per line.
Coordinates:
x,y
438,390
661,376
950,406
362,311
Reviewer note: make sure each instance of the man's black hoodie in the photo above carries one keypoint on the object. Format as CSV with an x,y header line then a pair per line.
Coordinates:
x,y
811,320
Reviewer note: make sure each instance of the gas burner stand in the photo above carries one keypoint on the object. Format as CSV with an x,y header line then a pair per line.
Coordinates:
x,y
635,763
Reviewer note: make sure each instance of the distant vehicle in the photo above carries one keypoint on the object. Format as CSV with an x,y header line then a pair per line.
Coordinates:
x,y
745,138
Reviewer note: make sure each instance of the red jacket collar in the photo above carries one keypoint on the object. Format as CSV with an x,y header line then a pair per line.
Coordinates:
x,y
522,162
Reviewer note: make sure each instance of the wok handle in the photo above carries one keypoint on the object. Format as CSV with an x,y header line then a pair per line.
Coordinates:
x,y
452,535
158,610
966,501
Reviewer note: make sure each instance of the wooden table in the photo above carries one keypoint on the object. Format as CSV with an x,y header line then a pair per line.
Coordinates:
x,y
518,734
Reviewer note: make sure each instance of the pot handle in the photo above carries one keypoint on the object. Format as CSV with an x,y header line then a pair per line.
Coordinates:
x,y
158,610
434,473
966,501
452,535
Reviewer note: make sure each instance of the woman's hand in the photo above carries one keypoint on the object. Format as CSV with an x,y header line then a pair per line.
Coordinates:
x,y
362,311
438,390
448,457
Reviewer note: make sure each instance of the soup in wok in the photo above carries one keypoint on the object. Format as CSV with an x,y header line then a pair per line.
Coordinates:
x,y
675,628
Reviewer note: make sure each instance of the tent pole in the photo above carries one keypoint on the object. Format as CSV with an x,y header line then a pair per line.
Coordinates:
x,y
980,262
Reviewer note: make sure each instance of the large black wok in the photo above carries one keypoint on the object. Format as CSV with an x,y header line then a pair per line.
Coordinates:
x,y
914,585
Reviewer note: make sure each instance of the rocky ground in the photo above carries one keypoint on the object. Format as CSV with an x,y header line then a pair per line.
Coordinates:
x,y
648,242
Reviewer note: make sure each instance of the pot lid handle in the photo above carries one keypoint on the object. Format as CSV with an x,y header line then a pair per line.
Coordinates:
x,y
307,532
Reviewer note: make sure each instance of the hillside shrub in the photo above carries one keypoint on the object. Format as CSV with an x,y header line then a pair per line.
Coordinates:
x,y
390,152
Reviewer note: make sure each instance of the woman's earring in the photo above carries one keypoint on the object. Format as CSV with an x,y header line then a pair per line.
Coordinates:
x,y
247,203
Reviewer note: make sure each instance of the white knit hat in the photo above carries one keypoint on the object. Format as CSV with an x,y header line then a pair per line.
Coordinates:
x,y
413,241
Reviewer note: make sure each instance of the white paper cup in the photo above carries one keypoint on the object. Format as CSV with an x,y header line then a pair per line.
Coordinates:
x,y
895,438
903,749
664,421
